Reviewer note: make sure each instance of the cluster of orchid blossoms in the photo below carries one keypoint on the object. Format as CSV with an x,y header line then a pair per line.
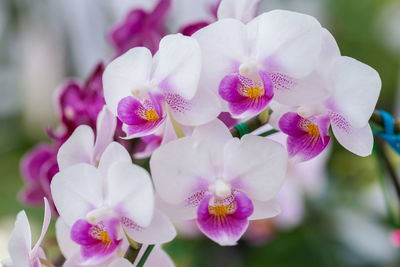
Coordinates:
x,y
177,100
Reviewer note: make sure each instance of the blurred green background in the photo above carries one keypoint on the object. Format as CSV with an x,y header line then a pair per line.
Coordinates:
x,y
345,225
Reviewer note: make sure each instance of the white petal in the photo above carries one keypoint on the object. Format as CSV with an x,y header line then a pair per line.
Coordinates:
x,y
215,132
203,108
157,258
126,73
19,245
243,10
46,222
177,168
265,209
357,140
130,192
159,231
224,47
115,152
68,247
357,88
105,129
286,42
76,190
121,262
77,149
317,86
179,64
255,165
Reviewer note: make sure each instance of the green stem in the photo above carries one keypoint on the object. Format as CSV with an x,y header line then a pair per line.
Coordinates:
x,y
145,256
270,132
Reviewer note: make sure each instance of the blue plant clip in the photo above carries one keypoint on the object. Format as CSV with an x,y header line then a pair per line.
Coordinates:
x,y
389,135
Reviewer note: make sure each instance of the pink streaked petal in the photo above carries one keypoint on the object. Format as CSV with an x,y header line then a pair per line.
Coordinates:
x,y
131,111
249,107
228,229
228,88
306,146
290,122
80,233
143,129
98,253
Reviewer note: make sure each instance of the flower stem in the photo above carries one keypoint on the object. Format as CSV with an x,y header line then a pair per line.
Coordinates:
x,y
145,255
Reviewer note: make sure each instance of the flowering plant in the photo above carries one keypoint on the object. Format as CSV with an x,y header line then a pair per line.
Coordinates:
x,y
196,106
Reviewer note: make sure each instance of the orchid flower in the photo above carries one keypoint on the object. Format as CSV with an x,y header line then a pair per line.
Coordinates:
x,y
143,91
78,104
221,181
247,64
38,167
83,147
351,92
141,28
20,244
100,205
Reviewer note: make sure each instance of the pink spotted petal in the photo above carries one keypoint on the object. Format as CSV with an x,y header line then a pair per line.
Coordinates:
x,y
306,146
225,230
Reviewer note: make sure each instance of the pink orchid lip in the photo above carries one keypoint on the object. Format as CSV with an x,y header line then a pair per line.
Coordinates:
x,y
98,242
224,220
245,95
307,137
141,117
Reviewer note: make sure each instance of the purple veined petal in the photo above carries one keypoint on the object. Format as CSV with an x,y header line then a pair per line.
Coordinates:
x,y
131,111
80,233
290,123
246,96
306,146
98,242
228,88
224,224
141,118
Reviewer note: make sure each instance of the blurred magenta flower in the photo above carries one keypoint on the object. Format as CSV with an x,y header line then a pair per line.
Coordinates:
x,y
38,167
141,28
79,104
395,238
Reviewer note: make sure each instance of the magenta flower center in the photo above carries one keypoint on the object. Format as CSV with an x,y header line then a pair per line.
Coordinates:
x,y
250,88
99,232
